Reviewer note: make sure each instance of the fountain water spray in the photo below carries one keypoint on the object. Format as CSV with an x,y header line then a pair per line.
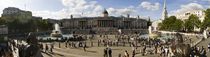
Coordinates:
x,y
56,32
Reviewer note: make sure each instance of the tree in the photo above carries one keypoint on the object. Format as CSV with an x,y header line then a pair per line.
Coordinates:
x,y
171,24
44,25
188,25
178,25
191,22
13,26
2,22
195,20
206,21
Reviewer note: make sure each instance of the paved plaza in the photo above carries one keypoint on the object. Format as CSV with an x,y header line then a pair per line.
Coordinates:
x,y
95,51
91,52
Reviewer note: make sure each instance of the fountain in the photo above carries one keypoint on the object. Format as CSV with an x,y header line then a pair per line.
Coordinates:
x,y
206,33
151,35
56,32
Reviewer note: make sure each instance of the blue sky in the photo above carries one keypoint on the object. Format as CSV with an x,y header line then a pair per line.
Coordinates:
x,y
59,9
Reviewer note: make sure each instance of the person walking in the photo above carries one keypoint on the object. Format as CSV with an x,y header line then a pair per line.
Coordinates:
x,y
46,48
59,44
110,52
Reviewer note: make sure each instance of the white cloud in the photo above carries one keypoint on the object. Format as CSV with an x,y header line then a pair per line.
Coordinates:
x,y
188,7
150,6
122,11
91,8
12,3
82,8
206,0
199,0
77,8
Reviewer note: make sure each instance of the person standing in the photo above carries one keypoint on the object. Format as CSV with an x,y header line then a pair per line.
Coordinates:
x,y
70,44
119,55
144,50
51,49
162,51
66,44
91,43
98,42
110,52
59,44
105,52
126,54
133,53
84,47
203,52
41,47
209,47
46,48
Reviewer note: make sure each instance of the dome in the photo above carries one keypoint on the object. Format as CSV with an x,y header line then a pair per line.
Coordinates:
x,y
105,12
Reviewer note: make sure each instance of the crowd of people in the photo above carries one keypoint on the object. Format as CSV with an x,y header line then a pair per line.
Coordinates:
x,y
21,48
148,46
143,46
198,52
17,48
107,52
48,48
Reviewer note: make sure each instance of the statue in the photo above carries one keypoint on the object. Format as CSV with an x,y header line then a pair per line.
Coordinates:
x,y
32,50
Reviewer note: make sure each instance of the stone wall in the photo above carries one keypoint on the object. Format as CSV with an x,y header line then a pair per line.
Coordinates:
x,y
110,31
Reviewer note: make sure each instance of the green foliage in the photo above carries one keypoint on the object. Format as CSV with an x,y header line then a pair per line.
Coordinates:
x,y
23,17
24,22
191,22
178,25
188,25
171,24
44,25
32,25
206,22
2,22
195,20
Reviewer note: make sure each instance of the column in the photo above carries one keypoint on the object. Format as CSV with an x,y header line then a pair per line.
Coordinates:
x,y
109,23
98,23
102,23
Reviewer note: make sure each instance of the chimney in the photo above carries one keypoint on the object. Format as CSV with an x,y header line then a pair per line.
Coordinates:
x,y
138,17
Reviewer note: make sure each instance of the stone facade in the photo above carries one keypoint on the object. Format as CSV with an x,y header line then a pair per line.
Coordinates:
x,y
12,13
104,25
185,15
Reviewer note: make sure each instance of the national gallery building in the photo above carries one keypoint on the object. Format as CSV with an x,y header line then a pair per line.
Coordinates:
x,y
104,25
